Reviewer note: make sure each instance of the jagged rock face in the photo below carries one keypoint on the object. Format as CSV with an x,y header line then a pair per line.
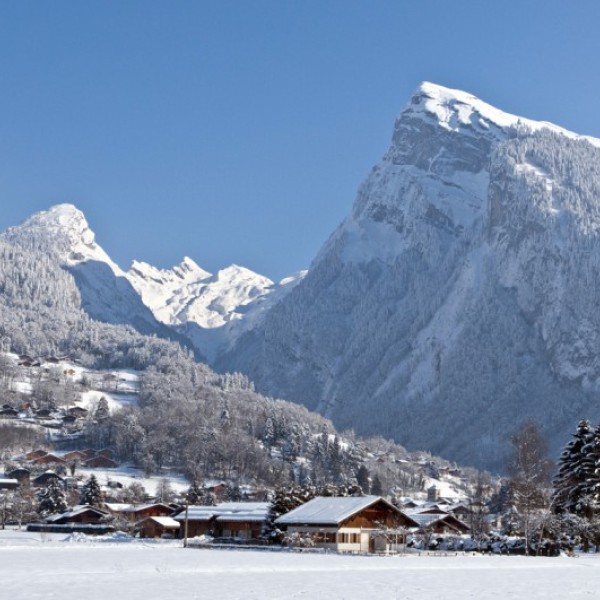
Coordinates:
x,y
459,296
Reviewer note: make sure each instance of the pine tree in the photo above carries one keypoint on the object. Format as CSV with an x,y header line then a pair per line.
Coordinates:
x,y
376,486
52,500
232,493
194,493
91,493
284,500
362,478
576,470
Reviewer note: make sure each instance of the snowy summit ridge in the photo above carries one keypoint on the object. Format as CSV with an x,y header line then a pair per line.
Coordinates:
x,y
64,231
455,109
452,301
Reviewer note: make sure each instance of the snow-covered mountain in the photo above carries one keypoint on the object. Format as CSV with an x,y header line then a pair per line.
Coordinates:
x,y
185,302
460,295
212,310
64,235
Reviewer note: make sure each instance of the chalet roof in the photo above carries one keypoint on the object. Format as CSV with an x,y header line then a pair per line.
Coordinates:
x,y
427,520
325,510
165,522
74,511
228,511
429,508
116,507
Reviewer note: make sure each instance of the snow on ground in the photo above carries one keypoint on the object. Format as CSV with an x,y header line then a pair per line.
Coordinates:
x,y
89,400
127,475
145,570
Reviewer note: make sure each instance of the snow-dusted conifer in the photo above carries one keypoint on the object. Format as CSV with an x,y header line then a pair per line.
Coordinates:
x,y
52,499
91,493
575,471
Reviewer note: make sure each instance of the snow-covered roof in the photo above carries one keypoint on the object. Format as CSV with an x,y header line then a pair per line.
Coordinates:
x,y
117,507
228,511
73,512
165,521
329,510
425,520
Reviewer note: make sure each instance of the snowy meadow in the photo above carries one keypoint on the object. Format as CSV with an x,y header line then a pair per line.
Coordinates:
x,y
75,567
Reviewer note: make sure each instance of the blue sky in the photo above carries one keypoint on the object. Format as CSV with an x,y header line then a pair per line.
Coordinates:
x,y
240,131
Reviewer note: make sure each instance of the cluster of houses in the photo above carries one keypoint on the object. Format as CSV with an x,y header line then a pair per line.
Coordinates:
x,y
94,459
350,524
38,467
70,420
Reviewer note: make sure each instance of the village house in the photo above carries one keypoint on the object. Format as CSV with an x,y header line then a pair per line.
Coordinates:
x,y
100,462
33,455
48,459
240,520
83,518
74,455
43,479
21,474
444,523
81,514
158,527
356,524
138,512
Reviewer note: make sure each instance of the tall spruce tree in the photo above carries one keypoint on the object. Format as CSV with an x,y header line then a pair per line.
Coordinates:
x,y
91,493
576,472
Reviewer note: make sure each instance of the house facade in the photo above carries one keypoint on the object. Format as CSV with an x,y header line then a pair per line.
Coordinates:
x,y
361,524
241,520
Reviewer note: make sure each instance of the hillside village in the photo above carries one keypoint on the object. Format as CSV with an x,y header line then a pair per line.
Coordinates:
x,y
55,405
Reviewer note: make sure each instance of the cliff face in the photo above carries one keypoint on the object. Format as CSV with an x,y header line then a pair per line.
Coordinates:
x,y
458,298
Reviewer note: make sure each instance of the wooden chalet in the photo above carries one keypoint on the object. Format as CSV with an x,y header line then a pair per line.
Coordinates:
x,y
48,459
74,455
101,462
440,524
158,527
20,474
43,479
240,520
355,524
35,454
81,514
138,512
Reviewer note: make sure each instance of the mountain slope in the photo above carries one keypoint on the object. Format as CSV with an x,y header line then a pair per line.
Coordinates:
x,y
458,298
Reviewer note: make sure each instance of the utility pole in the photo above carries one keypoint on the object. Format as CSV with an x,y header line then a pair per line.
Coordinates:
x,y
185,532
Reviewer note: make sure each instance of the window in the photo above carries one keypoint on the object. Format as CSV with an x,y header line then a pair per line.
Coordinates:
x,y
349,538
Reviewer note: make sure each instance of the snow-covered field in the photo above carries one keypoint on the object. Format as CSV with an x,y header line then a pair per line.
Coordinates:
x,y
32,568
